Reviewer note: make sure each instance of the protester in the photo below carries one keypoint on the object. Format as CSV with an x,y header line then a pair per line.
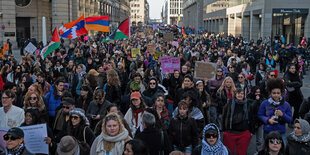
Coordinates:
x,y
273,144
135,147
68,145
15,143
298,142
112,138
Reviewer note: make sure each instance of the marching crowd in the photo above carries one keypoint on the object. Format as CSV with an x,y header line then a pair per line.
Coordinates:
x,y
96,99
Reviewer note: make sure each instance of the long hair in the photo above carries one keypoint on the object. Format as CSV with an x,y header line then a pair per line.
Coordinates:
x,y
117,119
37,88
112,78
133,108
233,87
137,146
27,103
273,135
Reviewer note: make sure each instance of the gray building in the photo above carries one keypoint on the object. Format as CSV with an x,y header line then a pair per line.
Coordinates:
x,y
172,12
259,18
23,18
193,14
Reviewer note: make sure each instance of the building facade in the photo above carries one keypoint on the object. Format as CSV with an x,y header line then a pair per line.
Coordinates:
x,y
22,19
193,14
139,12
172,12
261,18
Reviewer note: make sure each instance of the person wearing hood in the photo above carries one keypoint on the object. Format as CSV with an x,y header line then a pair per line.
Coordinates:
x,y
275,112
298,142
78,127
211,142
153,89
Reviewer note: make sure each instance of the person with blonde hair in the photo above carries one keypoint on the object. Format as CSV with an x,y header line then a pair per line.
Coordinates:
x,y
32,100
113,87
112,138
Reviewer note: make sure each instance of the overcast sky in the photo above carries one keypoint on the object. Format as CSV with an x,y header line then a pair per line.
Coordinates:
x,y
155,8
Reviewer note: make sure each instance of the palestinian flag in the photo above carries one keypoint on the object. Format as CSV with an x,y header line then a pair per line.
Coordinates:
x,y
53,45
122,32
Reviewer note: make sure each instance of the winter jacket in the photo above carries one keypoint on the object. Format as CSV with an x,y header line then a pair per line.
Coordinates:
x,y
293,80
266,111
52,102
113,94
212,88
172,84
299,145
155,140
183,132
96,109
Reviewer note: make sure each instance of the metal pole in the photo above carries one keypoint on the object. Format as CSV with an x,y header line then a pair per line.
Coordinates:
x,y
43,31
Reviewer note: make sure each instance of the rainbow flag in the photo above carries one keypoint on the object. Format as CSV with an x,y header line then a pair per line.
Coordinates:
x,y
73,29
98,23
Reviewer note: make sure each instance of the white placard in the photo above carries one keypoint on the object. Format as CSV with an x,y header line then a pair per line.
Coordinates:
x,y
34,138
30,48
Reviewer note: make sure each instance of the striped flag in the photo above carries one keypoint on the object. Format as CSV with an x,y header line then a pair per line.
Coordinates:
x,y
53,45
98,23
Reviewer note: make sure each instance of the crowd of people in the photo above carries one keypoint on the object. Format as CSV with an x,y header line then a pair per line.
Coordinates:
x,y
96,99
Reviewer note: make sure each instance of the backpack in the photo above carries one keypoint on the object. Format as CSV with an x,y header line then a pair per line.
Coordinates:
x,y
83,145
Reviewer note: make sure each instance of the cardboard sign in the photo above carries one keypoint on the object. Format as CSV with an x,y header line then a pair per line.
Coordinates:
x,y
168,37
6,47
151,49
169,64
30,48
205,70
135,52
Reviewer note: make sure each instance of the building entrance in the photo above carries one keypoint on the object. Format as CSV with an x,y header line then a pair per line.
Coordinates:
x,y
22,29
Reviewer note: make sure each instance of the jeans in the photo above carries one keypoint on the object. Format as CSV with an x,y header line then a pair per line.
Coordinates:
x,y
187,149
215,117
259,138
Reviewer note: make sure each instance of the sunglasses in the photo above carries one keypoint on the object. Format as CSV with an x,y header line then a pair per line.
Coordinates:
x,y
111,117
97,98
32,98
219,71
66,107
75,117
209,135
272,75
9,137
275,141
240,77
152,83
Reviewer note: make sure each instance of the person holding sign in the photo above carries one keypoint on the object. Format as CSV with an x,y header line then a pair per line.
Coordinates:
x,y
15,143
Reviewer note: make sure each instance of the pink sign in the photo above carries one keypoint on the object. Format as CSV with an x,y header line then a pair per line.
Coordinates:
x,y
169,64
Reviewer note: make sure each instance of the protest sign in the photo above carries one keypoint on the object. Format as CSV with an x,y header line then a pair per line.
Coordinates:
x,y
151,49
135,52
205,70
34,138
157,54
6,47
168,37
30,48
175,43
169,64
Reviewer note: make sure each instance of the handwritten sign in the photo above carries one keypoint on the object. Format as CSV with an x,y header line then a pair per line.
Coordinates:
x,y
168,37
135,52
157,54
205,70
175,43
30,48
169,64
151,49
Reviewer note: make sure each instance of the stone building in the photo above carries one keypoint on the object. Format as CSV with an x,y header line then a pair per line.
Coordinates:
x,y
172,12
193,14
260,18
140,12
23,18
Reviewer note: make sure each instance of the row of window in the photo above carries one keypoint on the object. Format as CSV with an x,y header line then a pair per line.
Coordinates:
x,y
135,11
176,11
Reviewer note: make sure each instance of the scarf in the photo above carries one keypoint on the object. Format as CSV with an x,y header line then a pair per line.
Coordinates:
x,y
17,151
274,103
262,73
108,143
305,127
229,94
137,111
218,148
232,110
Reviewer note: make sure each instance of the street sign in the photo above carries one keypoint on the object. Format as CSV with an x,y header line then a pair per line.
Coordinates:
x,y
3,27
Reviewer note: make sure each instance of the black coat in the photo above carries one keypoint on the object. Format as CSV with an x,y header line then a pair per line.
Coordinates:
x,y
293,80
113,94
152,138
297,148
172,84
183,132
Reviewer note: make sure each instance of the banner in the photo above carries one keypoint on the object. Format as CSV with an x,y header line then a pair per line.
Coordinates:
x,y
135,52
205,70
175,43
168,37
169,64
